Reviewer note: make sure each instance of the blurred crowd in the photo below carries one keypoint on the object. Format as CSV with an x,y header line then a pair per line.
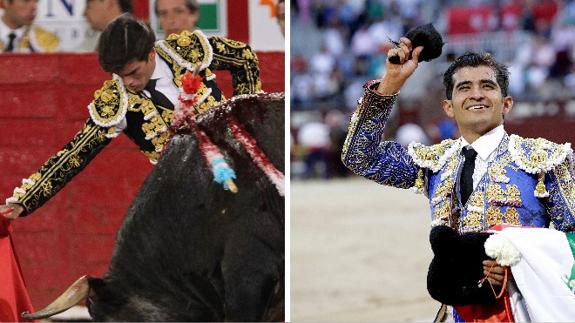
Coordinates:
x,y
337,45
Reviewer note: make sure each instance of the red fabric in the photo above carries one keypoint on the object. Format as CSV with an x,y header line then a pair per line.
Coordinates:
x,y
14,297
499,312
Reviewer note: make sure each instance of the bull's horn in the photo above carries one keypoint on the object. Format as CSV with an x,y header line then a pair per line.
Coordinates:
x,y
76,293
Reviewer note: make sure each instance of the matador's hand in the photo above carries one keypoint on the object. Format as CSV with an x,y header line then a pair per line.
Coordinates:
x,y
396,74
11,211
495,273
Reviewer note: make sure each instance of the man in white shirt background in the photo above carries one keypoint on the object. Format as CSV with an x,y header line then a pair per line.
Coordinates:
x,y
18,34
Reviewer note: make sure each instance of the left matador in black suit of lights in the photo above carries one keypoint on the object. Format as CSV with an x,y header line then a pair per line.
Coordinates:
x,y
139,99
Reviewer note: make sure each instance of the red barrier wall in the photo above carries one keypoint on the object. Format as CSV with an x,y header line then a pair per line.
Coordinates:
x,y
43,100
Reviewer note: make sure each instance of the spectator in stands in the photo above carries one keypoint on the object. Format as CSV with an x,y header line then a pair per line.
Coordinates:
x,y
281,15
176,16
19,34
314,138
99,13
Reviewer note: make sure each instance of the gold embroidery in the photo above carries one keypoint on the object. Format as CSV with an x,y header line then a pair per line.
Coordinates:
x,y
431,157
442,212
497,171
442,197
35,177
184,40
512,216
107,107
476,200
493,216
247,54
47,41
167,115
75,161
537,155
472,221
47,188
54,174
498,196
18,195
134,102
192,47
495,194
152,155
419,182
160,141
540,190
475,207
195,56
233,43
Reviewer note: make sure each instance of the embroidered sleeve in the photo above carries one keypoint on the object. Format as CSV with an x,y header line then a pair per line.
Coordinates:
x,y
240,60
61,168
561,203
364,151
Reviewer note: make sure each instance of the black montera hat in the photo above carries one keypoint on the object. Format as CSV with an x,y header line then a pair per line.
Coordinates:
x,y
426,36
456,267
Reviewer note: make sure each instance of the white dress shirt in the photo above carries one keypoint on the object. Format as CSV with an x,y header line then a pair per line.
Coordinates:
x,y
5,31
485,146
165,83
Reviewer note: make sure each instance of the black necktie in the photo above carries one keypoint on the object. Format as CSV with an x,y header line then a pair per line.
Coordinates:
x,y
157,97
10,46
466,180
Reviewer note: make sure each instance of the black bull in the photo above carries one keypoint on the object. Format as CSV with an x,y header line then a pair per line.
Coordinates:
x,y
190,251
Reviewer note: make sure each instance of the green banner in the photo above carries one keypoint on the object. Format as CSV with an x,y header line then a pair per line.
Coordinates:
x,y
209,17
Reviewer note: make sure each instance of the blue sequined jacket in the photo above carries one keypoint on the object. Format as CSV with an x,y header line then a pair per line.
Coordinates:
x,y
529,182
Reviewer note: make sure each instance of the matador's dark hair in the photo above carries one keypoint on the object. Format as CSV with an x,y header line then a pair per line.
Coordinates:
x,y
474,60
124,40
126,6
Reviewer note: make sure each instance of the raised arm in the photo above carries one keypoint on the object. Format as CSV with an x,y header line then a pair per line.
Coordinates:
x,y
364,151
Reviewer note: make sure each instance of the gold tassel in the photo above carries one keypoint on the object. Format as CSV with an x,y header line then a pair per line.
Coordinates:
x,y
419,181
540,190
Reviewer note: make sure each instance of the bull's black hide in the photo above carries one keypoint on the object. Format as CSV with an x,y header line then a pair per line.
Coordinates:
x,y
190,251
457,267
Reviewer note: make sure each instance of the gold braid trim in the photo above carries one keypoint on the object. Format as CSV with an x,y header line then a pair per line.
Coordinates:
x,y
59,169
110,103
240,60
435,156
187,49
537,155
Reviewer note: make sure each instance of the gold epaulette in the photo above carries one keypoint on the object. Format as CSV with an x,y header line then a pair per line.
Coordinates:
x,y
188,49
110,103
43,40
537,155
435,156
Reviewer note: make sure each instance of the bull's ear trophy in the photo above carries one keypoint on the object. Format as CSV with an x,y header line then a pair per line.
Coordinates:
x,y
75,294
